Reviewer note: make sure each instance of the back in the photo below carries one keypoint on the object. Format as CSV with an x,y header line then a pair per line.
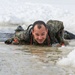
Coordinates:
x,y
55,28
55,25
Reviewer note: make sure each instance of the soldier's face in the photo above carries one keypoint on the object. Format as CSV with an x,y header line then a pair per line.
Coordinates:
x,y
40,34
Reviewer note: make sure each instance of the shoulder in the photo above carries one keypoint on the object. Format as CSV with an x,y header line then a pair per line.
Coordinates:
x,y
55,25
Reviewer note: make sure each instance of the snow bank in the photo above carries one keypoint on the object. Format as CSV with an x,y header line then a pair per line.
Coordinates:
x,y
69,60
20,12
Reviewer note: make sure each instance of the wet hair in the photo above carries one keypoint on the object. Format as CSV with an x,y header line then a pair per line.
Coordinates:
x,y
39,23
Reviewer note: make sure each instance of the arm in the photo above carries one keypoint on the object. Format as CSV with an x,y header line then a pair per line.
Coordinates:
x,y
22,37
18,38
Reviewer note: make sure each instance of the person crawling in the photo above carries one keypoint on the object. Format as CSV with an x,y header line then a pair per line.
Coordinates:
x,y
41,33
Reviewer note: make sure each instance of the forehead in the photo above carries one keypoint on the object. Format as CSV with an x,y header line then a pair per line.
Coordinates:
x,y
41,26
39,30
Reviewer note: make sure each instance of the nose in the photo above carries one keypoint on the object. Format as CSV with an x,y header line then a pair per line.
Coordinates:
x,y
40,37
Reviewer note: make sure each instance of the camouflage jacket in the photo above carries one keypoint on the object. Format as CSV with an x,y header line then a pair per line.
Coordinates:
x,y
25,37
54,27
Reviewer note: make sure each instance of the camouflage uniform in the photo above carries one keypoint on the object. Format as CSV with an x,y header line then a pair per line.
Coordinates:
x,y
25,37
55,34
17,34
68,35
56,29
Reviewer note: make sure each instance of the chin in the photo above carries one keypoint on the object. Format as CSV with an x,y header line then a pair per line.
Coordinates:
x,y
40,42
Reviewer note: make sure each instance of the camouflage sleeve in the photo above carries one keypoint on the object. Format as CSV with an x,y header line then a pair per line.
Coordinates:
x,y
22,36
17,38
8,41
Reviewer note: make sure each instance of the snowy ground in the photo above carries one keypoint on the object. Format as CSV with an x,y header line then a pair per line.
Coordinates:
x,y
31,60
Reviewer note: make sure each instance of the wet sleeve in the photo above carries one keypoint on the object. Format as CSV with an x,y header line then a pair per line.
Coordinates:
x,y
8,41
22,36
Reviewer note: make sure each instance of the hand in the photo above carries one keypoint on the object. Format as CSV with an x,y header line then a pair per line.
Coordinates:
x,y
15,41
9,41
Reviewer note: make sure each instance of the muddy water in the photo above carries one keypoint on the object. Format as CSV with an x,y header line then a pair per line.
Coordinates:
x,y
33,60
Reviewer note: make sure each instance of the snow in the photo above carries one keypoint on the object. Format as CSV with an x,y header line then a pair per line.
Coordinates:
x,y
22,12
69,60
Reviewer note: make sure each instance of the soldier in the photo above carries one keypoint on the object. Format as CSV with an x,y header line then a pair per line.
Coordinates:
x,y
39,34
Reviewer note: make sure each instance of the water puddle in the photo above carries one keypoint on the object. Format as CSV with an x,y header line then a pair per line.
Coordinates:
x,y
33,60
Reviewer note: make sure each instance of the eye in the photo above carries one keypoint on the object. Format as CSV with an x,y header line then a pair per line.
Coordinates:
x,y
43,34
37,34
